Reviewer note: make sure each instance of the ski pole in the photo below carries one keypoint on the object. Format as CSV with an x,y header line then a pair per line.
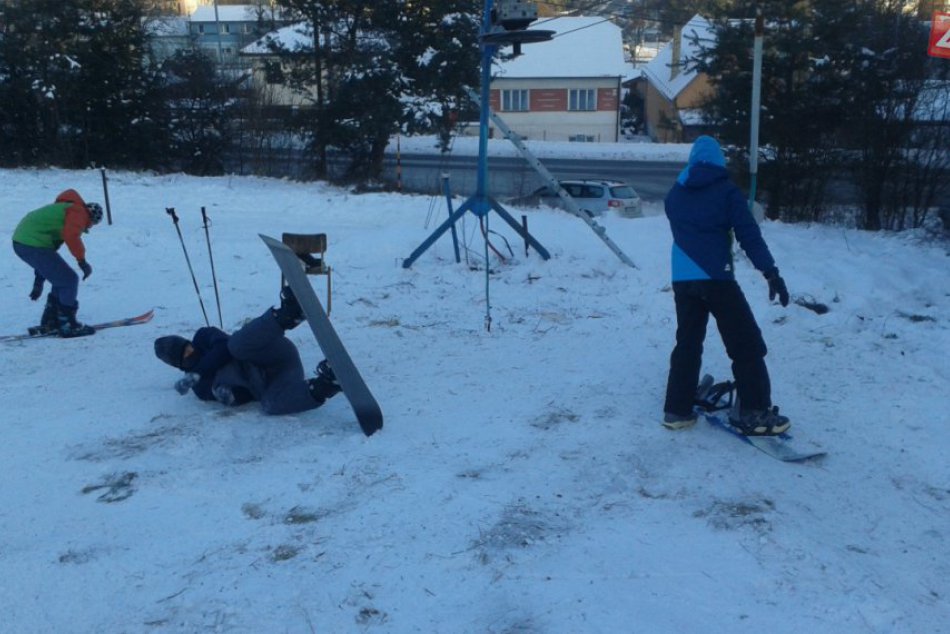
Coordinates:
x,y
171,212
214,278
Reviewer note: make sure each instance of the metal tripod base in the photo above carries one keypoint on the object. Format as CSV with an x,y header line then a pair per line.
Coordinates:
x,y
471,205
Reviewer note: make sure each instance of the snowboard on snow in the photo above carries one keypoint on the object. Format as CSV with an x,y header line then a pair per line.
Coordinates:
x,y
364,404
716,413
35,333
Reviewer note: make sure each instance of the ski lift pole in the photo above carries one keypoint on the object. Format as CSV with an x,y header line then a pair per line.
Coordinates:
x,y
214,278
171,212
756,105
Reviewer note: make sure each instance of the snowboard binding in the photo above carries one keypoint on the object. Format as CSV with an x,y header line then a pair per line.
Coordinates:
x,y
715,397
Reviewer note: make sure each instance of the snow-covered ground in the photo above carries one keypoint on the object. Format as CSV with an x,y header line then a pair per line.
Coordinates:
x,y
522,482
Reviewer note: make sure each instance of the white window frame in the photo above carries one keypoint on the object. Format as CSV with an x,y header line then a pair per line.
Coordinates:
x,y
582,99
515,100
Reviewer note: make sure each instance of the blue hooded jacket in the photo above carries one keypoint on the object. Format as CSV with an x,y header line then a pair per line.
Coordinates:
x,y
703,207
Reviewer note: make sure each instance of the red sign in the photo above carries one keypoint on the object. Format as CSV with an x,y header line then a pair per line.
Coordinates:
x,y
939,35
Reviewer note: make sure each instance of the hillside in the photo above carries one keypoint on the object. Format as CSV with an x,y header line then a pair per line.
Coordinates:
x,y
522,482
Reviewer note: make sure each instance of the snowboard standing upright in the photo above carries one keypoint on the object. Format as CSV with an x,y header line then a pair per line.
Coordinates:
x,y
354,388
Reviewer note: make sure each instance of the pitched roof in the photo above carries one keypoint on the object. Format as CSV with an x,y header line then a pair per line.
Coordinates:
x,y
294,38
581,47
697,30
226,13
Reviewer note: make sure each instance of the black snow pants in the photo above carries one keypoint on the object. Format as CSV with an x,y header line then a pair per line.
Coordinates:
x,y
695,301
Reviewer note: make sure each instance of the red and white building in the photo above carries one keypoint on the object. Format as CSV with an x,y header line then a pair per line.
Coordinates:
x,y
565,89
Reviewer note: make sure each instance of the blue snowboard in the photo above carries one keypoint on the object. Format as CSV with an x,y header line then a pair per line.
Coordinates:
x,y
367,410
781,447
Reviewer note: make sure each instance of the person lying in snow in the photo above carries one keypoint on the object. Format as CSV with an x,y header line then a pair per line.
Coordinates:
x,y
705,209
256,363
36,241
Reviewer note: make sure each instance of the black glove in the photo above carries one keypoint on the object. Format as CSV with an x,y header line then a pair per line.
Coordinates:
x,y
187,382
37,287
86,269
777,287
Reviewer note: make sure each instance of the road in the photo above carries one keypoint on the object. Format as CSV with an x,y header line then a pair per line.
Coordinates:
x,y
511,176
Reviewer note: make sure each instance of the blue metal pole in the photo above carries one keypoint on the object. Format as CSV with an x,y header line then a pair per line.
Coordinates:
x,y
481,204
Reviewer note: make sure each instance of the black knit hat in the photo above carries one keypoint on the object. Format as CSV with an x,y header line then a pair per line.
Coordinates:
x,y
170,349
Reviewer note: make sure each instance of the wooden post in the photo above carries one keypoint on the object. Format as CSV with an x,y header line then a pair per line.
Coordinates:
x,y
105,191
524,224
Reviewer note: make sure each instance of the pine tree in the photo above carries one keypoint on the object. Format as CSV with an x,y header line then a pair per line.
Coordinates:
x,y
373,68
74,86
833,105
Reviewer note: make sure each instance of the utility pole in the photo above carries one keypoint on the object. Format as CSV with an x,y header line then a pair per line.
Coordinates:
x,y
756,104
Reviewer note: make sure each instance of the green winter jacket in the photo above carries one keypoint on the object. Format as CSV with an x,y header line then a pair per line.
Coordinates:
x,y
62,221
42,227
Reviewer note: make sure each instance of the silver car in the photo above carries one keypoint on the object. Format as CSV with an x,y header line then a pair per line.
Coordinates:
x,y
596,197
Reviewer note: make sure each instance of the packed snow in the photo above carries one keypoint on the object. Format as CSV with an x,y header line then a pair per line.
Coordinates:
x,y
522,481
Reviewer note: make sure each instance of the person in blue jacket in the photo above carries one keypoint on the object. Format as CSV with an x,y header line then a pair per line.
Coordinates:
x,y
705,209
256,363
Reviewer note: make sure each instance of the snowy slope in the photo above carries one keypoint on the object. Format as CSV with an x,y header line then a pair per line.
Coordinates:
x,y
522,482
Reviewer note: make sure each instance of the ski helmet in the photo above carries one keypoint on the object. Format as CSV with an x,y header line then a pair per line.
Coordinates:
x,y
95,212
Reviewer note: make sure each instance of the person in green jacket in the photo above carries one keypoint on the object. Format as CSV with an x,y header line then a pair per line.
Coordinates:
x,y
36,241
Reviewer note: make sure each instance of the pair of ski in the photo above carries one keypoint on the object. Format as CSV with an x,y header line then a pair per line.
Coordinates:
x,y
36,333
714,401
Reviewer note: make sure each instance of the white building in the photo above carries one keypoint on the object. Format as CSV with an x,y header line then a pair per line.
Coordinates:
x,y
565,89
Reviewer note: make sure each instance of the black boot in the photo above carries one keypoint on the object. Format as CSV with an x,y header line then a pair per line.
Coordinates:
x,y
67,324
325,385
49,322
288,315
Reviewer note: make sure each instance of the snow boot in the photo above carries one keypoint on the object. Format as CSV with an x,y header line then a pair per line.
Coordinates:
x,y
288,315
68,326
678,421
324,385
49,322
764,422
224,395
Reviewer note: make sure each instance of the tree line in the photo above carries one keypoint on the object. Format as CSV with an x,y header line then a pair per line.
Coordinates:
x,y
79,86
848,93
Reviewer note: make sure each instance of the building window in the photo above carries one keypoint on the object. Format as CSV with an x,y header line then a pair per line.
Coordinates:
x,y
585,99
581,138
227,28
514,100
273,73
201,28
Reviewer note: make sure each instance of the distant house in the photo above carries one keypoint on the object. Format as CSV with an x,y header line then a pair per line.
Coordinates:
x,y
223,31
167,36
673,94
270,70
565,89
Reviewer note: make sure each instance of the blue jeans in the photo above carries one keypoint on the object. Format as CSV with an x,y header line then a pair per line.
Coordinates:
x,y
52,267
